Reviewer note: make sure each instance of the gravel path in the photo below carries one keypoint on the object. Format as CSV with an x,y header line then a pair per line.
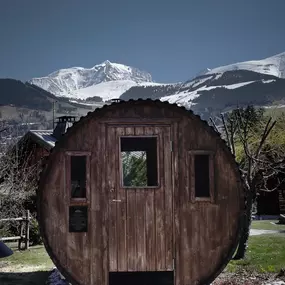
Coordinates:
x,y
254,232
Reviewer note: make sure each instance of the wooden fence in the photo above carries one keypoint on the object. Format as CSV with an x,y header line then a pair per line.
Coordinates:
x,y
24,235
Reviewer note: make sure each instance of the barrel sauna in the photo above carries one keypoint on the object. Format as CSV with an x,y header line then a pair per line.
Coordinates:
x,y
140,192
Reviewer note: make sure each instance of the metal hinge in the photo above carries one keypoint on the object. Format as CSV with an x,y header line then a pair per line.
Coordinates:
x,y
171,145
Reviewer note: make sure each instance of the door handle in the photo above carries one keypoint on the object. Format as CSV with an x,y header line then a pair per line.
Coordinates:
x,y
114,200
112,190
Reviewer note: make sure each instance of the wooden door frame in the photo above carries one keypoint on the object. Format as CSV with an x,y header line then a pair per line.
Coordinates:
x,y
172,124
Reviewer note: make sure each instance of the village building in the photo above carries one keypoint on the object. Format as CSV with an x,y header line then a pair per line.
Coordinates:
x,y
37,144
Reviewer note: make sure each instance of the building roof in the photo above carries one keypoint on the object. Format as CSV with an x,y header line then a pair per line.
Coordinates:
x,y
43,137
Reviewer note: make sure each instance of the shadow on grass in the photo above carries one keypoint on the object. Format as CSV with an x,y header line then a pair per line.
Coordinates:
x,y
24,278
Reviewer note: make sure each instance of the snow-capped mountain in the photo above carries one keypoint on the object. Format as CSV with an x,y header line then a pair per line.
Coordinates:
x,y
65,81
260,82
274,65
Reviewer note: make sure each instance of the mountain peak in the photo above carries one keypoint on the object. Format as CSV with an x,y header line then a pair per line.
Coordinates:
x,y
64,81
104,63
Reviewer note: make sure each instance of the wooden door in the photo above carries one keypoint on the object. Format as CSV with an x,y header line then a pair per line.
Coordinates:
x,y
140,198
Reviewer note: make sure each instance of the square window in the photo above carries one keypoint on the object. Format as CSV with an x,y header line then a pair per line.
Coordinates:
x,y
139,161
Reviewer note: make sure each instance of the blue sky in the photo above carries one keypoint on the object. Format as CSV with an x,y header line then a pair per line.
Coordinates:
x,y
171,39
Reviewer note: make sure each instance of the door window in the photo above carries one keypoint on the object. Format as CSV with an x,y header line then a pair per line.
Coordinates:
x,y
139,161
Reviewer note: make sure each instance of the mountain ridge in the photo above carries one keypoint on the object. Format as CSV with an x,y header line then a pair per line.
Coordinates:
x,y
259,81
273,65
100,80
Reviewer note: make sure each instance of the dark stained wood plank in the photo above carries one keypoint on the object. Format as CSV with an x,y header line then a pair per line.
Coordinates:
x,y
104,262
194,252
131,221
111,198
96,211
121,209
86,259
140,220
151,222
176,209
61,212
187,178
168,198
140,228
131,230
204,240
160,210
150,231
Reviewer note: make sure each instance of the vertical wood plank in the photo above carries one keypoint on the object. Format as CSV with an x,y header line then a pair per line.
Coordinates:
x,y
86,256
187,257
204,240
121,210
131,221
64,219
96,219
159,203
176,206
151,225
140,220
150,231
191,171
168,197
104,206
112,193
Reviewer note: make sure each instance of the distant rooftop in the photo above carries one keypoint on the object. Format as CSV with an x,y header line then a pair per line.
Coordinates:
x,y
44,137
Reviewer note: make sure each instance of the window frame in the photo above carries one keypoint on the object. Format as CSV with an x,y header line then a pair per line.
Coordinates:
x,y
212,180
158,143
77,201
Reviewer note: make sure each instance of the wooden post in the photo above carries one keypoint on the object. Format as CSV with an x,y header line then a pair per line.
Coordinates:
x,y
27,239
21,235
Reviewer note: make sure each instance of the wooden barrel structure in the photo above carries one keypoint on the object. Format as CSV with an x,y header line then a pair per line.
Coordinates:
x,y
140,192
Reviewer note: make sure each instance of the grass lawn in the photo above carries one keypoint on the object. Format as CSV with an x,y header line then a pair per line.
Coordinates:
x,y
35,256
26,267
266,253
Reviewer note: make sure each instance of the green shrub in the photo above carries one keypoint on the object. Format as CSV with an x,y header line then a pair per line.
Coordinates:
x,y
35,237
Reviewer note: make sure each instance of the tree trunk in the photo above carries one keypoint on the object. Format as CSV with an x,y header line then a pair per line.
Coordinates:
x,y
242,246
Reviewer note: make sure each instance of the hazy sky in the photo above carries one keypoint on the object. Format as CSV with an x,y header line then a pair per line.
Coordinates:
x,y
171,39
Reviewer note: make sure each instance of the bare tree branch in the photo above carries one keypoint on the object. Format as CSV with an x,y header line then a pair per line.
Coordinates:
x,y
214,125
229,139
